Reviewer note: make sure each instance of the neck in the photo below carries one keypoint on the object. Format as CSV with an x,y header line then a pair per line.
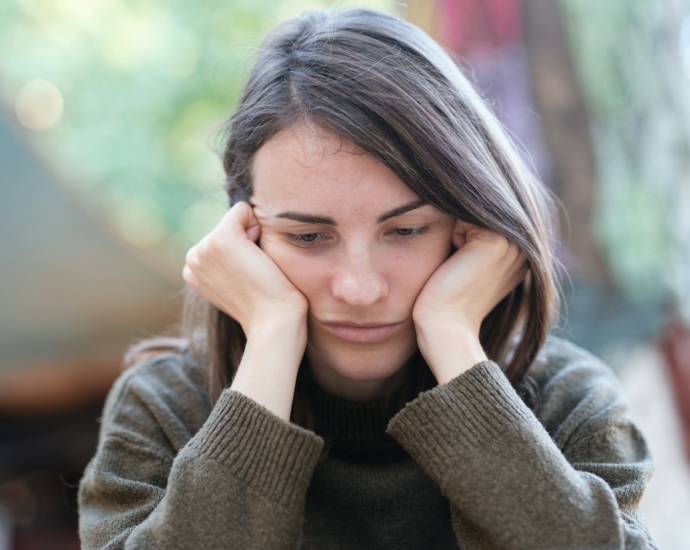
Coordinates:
x,y
340,386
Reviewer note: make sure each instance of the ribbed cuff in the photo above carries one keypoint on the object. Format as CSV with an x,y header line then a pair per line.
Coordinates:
x,y
470,413
273,457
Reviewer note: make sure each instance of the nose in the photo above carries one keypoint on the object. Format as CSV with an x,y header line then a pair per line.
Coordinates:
x,y
357,281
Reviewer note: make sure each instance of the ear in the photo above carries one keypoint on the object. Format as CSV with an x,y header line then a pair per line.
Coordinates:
x,y
459,234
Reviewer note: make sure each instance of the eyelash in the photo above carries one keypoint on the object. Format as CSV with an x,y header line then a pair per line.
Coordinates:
x,y
299,240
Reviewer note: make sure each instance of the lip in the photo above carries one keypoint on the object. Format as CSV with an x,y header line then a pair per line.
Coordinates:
x,y
362,334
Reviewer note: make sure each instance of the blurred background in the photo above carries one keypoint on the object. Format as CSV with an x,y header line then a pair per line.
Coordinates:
x,y
108,175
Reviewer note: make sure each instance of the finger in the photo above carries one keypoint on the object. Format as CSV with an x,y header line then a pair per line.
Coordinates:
x,y
458,240
244,215
237,219
189,277
191,258
459,236
254,230
461,227
475,232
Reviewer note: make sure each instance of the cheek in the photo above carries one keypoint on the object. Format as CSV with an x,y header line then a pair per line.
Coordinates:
x,y
301,270
409,272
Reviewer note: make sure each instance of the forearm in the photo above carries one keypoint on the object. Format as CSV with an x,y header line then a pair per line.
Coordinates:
x,y
268,370
449,348
240,482
502,473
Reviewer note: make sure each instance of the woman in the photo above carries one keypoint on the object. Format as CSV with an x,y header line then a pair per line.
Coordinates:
x,y
386,250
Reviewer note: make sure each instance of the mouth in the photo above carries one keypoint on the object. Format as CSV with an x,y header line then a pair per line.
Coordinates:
x,y
369,333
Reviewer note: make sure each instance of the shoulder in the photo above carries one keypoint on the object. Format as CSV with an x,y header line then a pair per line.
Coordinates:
x,y
162,397
579,394
584,410
560,360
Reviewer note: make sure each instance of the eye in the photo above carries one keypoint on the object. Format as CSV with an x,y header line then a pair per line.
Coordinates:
x,y
307,240
408,233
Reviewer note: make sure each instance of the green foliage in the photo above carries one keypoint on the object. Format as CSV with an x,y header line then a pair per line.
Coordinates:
x,y
143,84
630,59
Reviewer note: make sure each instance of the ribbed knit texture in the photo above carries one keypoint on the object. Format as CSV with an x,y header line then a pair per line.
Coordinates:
x,y
273,457
355,431
481,398
465,464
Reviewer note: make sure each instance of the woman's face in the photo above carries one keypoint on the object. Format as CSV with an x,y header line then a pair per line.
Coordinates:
x,y
358,243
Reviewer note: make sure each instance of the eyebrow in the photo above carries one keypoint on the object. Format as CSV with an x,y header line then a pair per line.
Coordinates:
x,y
320,220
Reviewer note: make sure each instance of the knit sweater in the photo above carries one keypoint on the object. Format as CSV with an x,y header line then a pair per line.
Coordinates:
x,y
465,464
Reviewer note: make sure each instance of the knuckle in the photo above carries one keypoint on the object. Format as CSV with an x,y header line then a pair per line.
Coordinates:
x,y
510,249
188,275
192,258
235,214
212,244
501,247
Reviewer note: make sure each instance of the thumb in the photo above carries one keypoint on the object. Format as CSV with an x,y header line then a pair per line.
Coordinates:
x,y
459,237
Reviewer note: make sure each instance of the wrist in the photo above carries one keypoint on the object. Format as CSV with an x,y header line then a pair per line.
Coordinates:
x,y
287,326
271,359
449,349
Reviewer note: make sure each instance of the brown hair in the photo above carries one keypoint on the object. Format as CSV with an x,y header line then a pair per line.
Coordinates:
x,y
384,85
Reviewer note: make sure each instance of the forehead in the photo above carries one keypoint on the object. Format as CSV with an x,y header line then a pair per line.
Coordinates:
x,y
310,169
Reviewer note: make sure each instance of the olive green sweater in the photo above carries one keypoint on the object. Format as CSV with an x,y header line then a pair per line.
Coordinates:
x,y
465,464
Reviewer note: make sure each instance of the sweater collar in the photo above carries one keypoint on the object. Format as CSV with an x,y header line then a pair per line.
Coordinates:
x,y
356,430
340,419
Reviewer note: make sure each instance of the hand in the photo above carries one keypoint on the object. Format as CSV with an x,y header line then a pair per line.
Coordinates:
x,y
228,269
458,296
234,274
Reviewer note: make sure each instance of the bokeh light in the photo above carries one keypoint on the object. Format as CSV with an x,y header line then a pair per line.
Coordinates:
x,y
146,85
684,44
39,105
